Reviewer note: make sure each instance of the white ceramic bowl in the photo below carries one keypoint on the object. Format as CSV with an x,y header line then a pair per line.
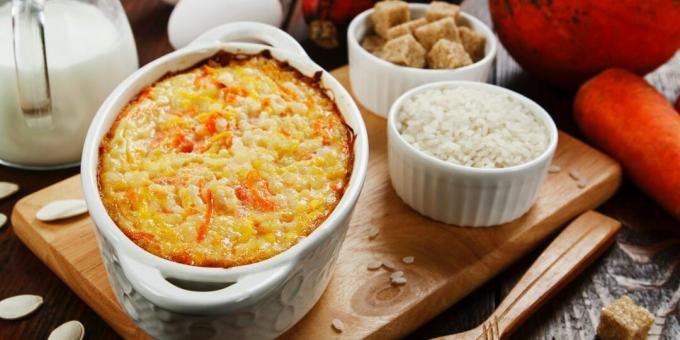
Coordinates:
x,y
463,195
377,83
260,300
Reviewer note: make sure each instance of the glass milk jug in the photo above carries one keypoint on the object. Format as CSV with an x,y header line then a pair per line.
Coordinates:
x,y
59,60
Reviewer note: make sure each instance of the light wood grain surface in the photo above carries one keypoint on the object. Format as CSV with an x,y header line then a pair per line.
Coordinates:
x,y
450,261
574,249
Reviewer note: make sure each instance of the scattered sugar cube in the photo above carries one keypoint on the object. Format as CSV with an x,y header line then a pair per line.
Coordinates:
x,y
404,50
624,320
429,34
405,28
441,9
473,43
387,14
447,54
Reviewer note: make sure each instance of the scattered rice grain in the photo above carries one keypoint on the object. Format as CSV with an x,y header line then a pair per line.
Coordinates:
x,y
582,183
372,233
575,175
337,325
374,265
553,169
387,265
398,281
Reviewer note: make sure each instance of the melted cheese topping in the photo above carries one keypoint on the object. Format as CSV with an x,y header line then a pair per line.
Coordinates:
x,y
228,163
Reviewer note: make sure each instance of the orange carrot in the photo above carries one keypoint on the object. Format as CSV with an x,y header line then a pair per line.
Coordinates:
x,y
203,227
229,141
182,144
631,121
202,75
210,124
132,198
139,235
146,93
286,90
254,192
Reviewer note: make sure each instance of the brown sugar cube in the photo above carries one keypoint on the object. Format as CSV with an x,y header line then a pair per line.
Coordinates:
x,y
441,9
404,50
624,320
429,34
373,43
463,22
447,54
473,43
405,28
387,14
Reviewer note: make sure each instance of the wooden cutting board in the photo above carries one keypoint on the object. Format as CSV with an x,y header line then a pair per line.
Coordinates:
x,y
450,261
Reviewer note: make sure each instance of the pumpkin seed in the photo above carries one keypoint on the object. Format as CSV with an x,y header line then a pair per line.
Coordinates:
x,y
71,330
3,220
61,209
7,189
16,307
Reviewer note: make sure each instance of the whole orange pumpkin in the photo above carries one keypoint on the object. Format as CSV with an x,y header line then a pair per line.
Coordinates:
x,y
568,41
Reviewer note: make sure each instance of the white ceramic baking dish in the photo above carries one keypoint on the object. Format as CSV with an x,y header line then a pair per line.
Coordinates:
x,y
170,300
462,195
377,83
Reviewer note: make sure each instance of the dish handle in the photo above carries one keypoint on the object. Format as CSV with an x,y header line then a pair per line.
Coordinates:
x,y
249,31
248,288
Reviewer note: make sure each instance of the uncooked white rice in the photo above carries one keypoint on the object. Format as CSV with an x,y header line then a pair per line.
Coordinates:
x,y
472,127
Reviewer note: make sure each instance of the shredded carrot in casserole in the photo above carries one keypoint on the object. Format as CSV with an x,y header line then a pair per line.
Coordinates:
x,y
227,163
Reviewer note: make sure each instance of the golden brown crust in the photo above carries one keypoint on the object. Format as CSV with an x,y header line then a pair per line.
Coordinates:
x,y
281,157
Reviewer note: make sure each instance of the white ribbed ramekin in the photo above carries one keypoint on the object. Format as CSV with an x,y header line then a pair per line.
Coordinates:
x,y
463,195
377,83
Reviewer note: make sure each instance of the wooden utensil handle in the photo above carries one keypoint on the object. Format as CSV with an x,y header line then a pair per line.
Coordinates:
x,y
567,256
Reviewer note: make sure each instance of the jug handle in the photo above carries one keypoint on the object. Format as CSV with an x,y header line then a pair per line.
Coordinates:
x,y
30,59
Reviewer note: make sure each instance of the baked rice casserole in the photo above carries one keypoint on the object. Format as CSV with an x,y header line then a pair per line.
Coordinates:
x,y
227,163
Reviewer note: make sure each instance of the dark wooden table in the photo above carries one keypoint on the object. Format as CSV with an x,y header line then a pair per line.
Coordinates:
x,y
643,263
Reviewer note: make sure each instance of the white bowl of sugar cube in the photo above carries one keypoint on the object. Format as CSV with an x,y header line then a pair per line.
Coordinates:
x,y
397,46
